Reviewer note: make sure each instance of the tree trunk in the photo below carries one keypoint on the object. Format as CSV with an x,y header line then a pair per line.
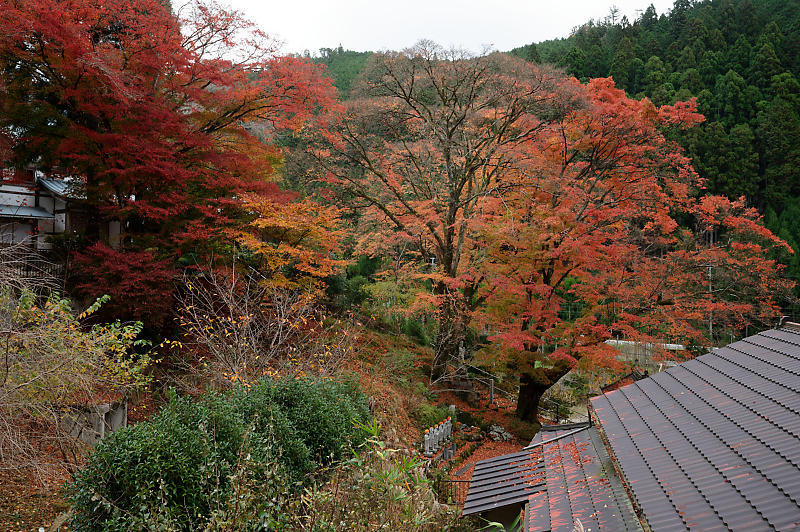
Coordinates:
x,y
448,341
451,336
533,386
92,231
530,393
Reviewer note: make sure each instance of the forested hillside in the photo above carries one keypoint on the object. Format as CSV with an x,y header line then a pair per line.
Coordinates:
x,y
343,66
241,290
741,59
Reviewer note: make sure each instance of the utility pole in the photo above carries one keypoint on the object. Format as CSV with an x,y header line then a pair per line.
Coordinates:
x,y
710,312
710,290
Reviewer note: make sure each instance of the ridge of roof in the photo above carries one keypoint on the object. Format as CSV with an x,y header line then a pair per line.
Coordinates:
x,y
62,188
790,326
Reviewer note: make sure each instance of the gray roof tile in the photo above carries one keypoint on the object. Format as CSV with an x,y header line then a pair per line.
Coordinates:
x,y
714,442
504,480
581,485
23,211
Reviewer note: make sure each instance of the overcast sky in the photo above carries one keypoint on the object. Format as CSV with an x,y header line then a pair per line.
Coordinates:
x,y
378,25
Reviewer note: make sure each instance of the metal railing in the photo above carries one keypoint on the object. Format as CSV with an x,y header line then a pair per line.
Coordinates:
x,y
38,269
484,377
555,410
451,491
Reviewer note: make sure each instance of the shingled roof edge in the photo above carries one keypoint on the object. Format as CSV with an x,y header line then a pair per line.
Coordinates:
x,y
545,442
617,471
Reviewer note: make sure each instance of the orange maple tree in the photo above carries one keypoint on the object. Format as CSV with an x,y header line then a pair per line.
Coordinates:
x,y
429,134
606,215
296,242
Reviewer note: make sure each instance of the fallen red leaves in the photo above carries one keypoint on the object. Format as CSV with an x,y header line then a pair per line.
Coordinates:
x,y
489,449
26,505
142,408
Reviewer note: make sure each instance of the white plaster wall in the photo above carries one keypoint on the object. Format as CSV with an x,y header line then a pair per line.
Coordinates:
x,y
17,195
61,218
47,203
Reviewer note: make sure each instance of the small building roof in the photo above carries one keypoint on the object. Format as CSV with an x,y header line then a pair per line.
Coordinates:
x,y
713,443
504,480
23,211
63,188
710,444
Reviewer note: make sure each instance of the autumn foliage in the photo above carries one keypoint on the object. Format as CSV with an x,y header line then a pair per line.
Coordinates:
x,y
164,120
294,243
428,136
605,213
502,192
533,193
135,281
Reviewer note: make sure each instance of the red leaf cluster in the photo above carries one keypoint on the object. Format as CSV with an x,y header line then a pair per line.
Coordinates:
x,y
164,121
138,283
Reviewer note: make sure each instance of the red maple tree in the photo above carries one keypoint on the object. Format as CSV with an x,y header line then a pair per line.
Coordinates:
x,y
162,119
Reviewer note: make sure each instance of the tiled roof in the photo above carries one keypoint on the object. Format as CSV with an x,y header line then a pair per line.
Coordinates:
x,y
581,486
714,443
23,211
504,480
63,188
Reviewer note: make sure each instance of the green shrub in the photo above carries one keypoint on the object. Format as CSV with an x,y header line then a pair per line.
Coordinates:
x,y
399,363
523,429
183,466
469,418
428,415
273,432
414,328
322,413
378,489
168,465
